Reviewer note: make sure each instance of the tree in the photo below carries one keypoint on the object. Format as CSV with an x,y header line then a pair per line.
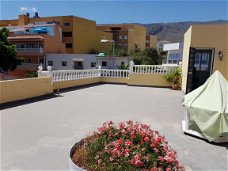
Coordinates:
x,y
149,56
8,54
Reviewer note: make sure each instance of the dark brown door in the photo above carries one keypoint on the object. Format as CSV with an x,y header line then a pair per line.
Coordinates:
x,y
191,60
200,68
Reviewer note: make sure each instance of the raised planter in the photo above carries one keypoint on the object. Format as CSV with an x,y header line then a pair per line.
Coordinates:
x,y
72,165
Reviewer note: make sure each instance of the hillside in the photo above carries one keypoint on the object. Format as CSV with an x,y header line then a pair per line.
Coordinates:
x,y
174,32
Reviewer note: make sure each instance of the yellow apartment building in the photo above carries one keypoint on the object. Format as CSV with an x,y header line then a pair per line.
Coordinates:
x,y
79,35
126,35
151,41
205,51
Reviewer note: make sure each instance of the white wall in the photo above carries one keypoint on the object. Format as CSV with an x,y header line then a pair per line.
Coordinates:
x,y
172,46
69,58
112,62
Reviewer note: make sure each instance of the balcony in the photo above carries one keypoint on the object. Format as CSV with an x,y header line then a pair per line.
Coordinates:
x,y
29,51
28,65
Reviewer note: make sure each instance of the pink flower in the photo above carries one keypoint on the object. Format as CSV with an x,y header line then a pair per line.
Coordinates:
x,y
132,161
123,132
99,161
121,125
143,134
146,139
153,169
129,122
156,150
111,159
128,143
146,158
119,141
97,157
161,158
137,157
168,169
126,154
138,163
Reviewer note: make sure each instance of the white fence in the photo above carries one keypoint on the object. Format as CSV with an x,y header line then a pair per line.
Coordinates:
x,y
114,73
64,75
152,69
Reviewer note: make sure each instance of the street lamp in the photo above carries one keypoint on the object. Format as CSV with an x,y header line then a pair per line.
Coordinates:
x,y
113,47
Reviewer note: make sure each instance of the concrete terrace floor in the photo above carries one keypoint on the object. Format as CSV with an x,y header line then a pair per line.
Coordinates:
x,y
38,135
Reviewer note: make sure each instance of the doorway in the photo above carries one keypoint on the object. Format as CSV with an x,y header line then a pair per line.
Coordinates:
x,y
78,65
199,68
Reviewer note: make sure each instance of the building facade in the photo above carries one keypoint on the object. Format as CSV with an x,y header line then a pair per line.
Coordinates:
x,y
128,36
35,37
174,53
107,62
79,35
151,41
71,61
205,51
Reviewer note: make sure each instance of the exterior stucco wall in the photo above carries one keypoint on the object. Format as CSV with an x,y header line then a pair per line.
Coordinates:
x,y
114,80
74,83
156,80
13,90
69,58
213,36
187,44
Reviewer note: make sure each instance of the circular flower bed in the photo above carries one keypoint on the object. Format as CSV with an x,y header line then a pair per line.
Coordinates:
x,y
128,146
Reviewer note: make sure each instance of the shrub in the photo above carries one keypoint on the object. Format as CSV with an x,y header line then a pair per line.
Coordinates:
x,y
174,77
31,74
128,146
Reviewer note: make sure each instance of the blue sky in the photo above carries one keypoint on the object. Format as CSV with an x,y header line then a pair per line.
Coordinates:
x,y
124,11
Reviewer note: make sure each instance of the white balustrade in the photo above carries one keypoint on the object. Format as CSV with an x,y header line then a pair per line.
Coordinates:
x,y
65,75
60,75
115,73
152,69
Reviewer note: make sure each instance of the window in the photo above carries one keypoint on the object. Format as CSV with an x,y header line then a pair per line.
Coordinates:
x,y
67,34
93,64
120,37
64,63
66,24
50,63
104,63
125,36
68,45
28,45
29,60
41,61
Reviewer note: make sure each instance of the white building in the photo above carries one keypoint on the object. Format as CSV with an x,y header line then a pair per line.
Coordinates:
x,y
174,53
71,61
107,62
161,44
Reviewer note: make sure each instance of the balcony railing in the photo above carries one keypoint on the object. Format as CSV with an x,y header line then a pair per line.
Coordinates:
x,y
73,74
65,75
114,73
28,65
29,50
152,69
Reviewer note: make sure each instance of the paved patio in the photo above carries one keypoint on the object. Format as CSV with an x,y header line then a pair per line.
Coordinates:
x,y
38,135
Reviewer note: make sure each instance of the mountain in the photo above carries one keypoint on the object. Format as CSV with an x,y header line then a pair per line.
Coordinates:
x,y
174,32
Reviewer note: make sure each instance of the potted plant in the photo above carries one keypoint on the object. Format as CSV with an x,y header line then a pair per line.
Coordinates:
x,y
128,146
175,78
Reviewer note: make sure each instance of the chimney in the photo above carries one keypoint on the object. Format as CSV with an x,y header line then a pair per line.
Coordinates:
x,y
36,15
27,14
